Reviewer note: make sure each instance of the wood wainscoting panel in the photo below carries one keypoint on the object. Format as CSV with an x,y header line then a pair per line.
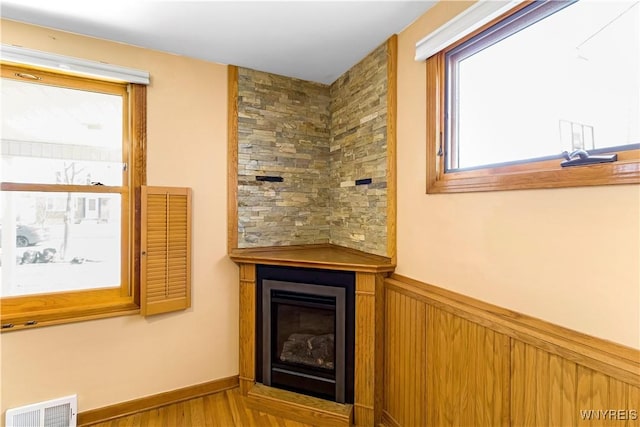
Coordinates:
x,y
405,362
451,360
467,373
441,369
551,391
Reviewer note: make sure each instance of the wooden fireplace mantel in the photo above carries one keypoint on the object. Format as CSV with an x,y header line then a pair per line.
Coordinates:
x,y
325,256
370,272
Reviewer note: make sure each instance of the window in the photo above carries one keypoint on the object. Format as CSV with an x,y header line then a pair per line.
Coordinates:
x,y
72,168
506,101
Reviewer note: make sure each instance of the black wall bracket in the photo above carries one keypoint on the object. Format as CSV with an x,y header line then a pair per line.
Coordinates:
x,y
269,178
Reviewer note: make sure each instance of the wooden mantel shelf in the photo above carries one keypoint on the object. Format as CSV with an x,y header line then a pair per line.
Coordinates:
x,y
325,256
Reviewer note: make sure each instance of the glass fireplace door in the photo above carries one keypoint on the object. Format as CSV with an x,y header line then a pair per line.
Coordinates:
x,y
304,338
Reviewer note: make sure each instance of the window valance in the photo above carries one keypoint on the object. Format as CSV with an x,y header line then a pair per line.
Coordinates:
x,y
84,67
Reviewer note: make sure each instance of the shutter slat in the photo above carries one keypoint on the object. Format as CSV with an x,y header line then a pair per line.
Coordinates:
x,y
166,243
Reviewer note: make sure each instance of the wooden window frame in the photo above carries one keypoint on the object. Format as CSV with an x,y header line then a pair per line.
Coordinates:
x,y
30,311
534,174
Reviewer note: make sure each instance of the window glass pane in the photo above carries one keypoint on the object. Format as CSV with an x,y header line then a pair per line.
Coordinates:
x,y
570,81
58,135
54,242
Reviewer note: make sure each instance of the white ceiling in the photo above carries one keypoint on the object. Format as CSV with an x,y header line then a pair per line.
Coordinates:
x,y
310,40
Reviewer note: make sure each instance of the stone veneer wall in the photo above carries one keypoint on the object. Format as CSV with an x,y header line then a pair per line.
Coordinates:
x,y
320,139
358,150
283,130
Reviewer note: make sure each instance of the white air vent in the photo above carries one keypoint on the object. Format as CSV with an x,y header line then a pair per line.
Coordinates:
x,y
52,413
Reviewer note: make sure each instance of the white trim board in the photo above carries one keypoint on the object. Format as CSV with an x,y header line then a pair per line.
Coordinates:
x,y
52,61
461,25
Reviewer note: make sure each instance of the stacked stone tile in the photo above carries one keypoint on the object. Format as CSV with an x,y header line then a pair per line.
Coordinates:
x,y
283,131
358,150
320,139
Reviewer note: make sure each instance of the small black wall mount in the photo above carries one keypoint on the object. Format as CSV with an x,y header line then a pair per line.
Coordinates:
x,y
268,178
363,181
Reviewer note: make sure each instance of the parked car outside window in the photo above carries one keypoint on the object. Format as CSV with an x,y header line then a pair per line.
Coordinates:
x,y
28,235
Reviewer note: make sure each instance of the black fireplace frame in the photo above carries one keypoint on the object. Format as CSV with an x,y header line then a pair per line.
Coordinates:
x,y
300,278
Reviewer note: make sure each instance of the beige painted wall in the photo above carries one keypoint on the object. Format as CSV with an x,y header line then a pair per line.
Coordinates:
x,y
119,359
568,256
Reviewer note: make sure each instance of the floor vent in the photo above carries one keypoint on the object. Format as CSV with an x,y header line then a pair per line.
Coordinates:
x,y
52,413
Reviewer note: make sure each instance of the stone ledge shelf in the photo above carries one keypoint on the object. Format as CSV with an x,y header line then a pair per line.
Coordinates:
x,y
326,256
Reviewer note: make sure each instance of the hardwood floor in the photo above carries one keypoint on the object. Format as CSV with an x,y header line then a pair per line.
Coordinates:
x,y
224,409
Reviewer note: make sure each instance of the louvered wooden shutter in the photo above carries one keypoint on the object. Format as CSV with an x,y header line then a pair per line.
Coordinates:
x,y
165,266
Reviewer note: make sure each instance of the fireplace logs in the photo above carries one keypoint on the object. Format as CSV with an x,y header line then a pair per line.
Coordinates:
x,y
310,350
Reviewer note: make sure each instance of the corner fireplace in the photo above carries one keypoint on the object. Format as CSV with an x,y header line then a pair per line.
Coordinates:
x,y
305,331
